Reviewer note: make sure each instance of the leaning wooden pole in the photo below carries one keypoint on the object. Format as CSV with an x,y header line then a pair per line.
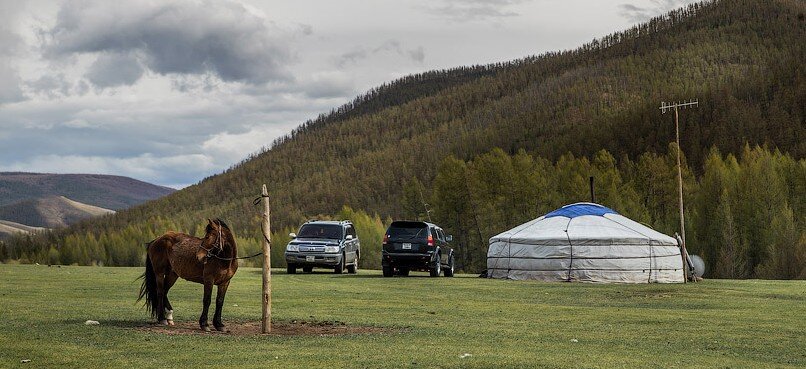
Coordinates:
x,y
664,108
266,229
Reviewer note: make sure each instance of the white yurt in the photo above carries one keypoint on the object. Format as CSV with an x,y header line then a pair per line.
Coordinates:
x,y
585,242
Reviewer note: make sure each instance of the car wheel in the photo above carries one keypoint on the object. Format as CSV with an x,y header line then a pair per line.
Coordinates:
x,y
307,269
352,269
340,268
437,268
388,271
291,269
449,270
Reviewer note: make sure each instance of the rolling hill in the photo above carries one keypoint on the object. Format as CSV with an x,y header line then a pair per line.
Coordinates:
x,y
106,191
8,228
742,59
33,202
50,212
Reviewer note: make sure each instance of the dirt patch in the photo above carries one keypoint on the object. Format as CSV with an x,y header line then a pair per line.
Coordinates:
x,y
292,328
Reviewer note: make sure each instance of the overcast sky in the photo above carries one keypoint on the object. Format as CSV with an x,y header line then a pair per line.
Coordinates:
x,y
170,92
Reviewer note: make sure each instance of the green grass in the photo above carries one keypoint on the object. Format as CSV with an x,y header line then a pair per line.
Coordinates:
x,y
717,323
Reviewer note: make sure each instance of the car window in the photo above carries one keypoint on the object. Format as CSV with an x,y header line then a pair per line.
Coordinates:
x,y
351,231
331,231
402,231
441,234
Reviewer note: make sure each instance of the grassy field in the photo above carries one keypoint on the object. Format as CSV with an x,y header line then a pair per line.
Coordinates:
x,y
433,322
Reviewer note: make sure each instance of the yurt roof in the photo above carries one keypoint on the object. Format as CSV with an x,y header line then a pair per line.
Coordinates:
x,y
584,223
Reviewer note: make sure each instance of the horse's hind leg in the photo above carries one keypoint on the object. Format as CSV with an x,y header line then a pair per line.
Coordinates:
x,y
219,305
161,299
170,279
208,291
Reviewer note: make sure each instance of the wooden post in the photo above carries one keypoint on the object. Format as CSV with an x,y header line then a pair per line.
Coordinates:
x,y
266,230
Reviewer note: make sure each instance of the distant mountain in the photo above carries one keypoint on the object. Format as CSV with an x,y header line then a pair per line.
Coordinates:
x,y
50,212
8,228
105,191
31,202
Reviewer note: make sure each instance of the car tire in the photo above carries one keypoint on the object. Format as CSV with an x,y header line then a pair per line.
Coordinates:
x,y
448,272
437,268
340,268
291,269
388,271
307,269
403,272
352,269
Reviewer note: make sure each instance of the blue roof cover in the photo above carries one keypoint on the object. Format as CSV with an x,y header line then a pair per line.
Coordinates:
x,y
580,209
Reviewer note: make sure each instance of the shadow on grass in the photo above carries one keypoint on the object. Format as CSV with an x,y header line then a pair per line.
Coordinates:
x,y
117,323
324,272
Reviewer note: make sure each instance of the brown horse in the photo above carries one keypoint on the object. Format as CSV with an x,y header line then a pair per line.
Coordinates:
x,y
209,260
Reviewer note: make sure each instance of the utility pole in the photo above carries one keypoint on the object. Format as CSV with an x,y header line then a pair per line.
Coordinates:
x,y
664,107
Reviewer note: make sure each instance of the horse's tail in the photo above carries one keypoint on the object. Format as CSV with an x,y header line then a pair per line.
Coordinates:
x,y
149,288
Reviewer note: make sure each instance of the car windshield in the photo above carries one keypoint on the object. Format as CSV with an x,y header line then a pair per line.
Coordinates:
x,y
320,231
408,231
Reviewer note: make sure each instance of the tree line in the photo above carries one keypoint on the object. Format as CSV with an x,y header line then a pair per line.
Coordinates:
x,y
745,213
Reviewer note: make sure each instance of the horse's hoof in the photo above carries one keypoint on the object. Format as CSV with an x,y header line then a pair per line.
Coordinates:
x,y
163,322
171,323
221,328
206,329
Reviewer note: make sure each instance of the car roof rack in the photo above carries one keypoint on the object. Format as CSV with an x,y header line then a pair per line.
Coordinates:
x,y
333,221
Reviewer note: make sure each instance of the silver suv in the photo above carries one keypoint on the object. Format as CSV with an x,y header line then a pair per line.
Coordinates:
x,y
324,244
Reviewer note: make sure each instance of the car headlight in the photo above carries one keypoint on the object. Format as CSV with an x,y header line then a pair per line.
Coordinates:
x,y
292,248
331,249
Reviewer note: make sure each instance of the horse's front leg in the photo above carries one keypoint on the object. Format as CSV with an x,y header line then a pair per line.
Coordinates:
x,y
219,305
208,291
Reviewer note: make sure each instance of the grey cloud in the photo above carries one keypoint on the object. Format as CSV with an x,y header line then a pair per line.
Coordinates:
x,y
352,57
113,69
417,54
327,86
392,46
203,84
179,37
473,10
10,90
10,46
50,85
306,29
639,14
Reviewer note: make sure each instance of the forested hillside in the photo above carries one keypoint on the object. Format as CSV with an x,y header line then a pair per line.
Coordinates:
x,y
470,141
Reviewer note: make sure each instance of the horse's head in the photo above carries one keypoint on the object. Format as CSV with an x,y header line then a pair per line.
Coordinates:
x,y
218,240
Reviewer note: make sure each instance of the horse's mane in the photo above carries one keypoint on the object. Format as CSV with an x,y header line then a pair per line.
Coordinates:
x,y
221,223
228,235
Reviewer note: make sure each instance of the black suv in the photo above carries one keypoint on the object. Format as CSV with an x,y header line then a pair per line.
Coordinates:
x,y
325,244
409,245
